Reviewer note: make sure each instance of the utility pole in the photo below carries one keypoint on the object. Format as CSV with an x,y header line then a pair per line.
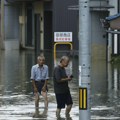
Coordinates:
x,y
2,45
84,60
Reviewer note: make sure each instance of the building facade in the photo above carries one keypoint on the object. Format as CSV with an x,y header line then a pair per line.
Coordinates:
x,y
33,22
114,39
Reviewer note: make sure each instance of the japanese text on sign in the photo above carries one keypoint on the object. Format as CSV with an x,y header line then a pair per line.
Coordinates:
x,y
62,36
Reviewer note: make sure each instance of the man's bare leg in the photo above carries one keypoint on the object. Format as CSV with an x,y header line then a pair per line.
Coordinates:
x,y
36,100
36,105
44,94
68,109
58,112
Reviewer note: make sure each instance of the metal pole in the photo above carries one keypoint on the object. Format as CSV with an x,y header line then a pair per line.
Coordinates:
x,y
109,46
2,26
113,32
84,60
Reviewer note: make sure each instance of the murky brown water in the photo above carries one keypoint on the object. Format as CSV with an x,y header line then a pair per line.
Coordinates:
x,y
16,97
17,101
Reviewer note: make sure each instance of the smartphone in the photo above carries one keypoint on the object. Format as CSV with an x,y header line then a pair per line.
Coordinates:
x,y
71,76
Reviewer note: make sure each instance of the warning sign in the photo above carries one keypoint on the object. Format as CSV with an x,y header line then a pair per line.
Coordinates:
x,y
62,36
82,98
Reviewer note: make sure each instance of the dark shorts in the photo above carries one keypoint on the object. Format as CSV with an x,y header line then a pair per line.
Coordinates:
x,y
40,85
63,99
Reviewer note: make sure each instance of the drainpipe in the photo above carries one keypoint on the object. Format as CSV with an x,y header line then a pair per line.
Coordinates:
x,y
118,30
118,6
2,44
22,41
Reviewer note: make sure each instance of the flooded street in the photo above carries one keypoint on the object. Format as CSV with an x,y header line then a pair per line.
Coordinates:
x,y
17,100
16,97
105,92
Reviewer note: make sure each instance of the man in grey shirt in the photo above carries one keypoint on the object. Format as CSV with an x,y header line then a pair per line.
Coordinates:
x,y
61,89
39,77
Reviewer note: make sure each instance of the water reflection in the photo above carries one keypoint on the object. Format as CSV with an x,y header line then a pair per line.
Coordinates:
x,y
16,98
39,115
66,118
115,77
105,91
16,95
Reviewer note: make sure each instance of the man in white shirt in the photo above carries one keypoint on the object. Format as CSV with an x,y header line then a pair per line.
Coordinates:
x,y
39,77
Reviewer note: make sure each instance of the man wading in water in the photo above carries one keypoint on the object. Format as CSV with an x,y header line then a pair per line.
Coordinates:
x,y
39,77
61,89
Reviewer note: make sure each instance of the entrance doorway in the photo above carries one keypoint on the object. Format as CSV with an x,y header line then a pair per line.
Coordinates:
x,y
37,33
29,27
48,38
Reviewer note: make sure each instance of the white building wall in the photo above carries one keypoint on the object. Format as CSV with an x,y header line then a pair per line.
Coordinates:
x,y
11,22
98,36
38,9
113,11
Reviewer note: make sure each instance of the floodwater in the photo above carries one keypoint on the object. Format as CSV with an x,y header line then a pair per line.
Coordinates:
x,y
17,100
105,91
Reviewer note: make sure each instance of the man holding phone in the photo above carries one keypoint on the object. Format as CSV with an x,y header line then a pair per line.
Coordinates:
x,y
61,88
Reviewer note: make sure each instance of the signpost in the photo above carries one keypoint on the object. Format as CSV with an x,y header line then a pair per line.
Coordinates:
x,y
62,38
